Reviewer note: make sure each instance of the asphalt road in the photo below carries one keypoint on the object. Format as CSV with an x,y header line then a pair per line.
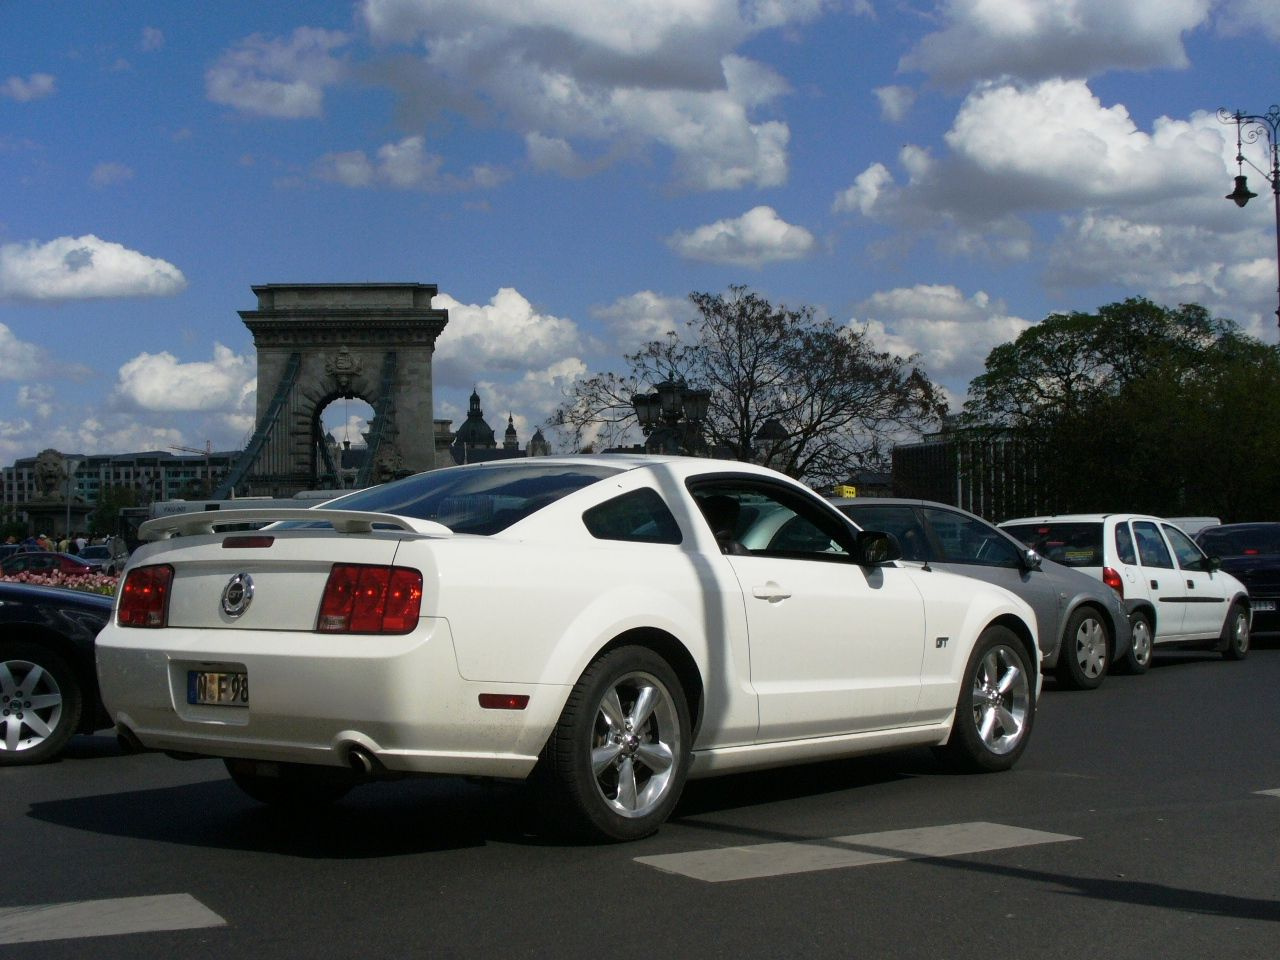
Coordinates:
x,y
1138,824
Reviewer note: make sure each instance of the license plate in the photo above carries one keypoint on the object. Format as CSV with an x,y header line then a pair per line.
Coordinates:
x,y
1264,606
218,689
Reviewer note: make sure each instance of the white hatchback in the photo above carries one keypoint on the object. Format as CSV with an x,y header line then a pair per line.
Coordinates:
x,y
1175,593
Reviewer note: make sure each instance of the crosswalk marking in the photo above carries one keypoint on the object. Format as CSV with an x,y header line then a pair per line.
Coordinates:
x,y
103,918
778,859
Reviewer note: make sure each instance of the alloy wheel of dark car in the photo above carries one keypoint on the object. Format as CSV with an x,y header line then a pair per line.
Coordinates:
x,y
40,703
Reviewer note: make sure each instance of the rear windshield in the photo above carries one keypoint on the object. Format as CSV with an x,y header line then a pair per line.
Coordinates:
x,y
1077,544
1244,542
474,499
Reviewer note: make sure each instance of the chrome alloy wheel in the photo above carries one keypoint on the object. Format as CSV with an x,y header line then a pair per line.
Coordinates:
x,y
1001,699
1091,648
634,745
30,705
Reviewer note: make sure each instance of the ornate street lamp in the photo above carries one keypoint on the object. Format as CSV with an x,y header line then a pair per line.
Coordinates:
x,y
1250,128
672,417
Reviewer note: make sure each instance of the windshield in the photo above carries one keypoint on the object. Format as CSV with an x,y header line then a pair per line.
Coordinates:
x,y
1074,544
480,499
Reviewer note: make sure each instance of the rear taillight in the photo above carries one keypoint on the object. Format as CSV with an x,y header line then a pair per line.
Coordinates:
x,y
1113,580
370,599
144,598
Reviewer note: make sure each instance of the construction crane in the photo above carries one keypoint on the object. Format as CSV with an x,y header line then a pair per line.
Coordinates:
x,y
208,462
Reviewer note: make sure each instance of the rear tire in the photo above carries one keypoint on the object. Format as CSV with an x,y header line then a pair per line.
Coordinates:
x,y
290,786
1138,659
996,708
1085,653
1235,633
616,763
40,703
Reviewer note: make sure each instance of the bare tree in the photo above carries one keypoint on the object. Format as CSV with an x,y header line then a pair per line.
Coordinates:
x,y
839,403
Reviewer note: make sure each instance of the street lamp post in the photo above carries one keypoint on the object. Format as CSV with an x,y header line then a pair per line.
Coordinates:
x,y
1250,128
672,417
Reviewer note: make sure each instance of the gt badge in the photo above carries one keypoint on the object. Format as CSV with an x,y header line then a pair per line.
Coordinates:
x,y
237,595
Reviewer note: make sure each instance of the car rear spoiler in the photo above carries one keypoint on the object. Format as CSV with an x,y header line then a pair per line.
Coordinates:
x,y
343,521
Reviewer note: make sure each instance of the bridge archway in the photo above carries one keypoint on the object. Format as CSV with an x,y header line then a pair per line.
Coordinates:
x,y
318,343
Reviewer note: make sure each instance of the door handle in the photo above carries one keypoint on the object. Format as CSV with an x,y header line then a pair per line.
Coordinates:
x,y
771,592
1191,584
1155,584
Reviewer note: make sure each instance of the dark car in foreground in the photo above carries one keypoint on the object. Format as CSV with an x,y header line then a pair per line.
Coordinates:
x,y
48,683
1250,552
1082,623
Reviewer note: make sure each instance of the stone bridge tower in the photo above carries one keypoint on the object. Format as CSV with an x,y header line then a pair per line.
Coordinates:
x,y
319,342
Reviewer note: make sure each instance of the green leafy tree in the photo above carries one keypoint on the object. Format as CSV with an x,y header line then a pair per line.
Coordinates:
x,y
832,402
1139,407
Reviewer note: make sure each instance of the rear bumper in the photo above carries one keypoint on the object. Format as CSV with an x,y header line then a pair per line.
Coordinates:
x,y
314,698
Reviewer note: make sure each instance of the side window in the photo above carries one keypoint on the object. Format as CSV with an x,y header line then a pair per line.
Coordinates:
x,y
1188,554
1151,548
640,516
966,540
1124,544
770,520
898,520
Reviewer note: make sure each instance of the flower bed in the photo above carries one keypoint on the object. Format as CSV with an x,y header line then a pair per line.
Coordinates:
x,y
90,582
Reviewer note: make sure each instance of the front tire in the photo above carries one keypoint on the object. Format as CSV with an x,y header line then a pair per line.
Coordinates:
x,y
40,703
1235,633
1086,651
996,709
616,763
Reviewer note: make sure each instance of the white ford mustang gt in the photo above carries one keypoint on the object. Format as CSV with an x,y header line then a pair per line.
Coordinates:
x,y
606,626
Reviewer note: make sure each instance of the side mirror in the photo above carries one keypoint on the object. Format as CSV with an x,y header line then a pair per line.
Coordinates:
x,y
1210,564
1031,560
874,547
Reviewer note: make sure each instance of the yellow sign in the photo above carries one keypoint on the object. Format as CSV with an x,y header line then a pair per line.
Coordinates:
x,y
845,490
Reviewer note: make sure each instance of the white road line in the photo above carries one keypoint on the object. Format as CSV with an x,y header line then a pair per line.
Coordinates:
x,y
778,859
104,918
1270,793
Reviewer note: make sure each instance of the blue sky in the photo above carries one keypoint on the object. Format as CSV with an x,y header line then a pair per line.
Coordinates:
x,y
568,171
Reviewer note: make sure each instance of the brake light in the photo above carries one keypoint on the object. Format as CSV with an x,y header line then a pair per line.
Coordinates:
x,y
360,598
144,598
1113,580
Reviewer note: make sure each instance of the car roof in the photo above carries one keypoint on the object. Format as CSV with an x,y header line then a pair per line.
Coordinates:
x,y
1081,518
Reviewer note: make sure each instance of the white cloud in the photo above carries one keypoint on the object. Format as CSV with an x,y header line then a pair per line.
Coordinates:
x,y
651,73
35,87
757,237
404,165
1039,39
152,39
1077,154
506,334
643,317
82,268
159,382
108,173
865,192
1247,17
19,360
952,333
278,78
1172,263
895,102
